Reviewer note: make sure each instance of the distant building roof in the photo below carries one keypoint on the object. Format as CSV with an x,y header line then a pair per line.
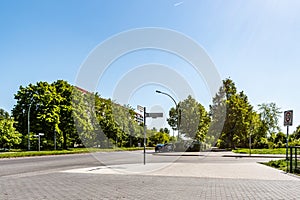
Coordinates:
x,y
82,90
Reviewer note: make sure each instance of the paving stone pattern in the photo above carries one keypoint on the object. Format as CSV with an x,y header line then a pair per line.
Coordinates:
x,y
72,186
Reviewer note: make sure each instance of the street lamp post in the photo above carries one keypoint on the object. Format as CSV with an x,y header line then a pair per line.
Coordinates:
x,y
28,125
177,108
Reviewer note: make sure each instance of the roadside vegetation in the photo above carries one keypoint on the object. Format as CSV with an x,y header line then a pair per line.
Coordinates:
x,y
278,164
260,151
284,166
69,117
18,153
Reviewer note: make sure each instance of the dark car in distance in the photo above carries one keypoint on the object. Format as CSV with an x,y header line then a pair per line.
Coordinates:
x,y
164,147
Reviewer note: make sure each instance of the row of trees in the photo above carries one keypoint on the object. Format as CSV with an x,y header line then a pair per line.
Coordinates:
x,y
74,117
231,121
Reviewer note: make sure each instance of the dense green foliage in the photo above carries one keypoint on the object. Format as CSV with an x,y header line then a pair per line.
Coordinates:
x,y
13,154
261,151
48,108
237,116
74,117
194,119
278,164
238,121
9,137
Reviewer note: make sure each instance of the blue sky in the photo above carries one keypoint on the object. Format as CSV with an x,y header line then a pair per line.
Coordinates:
x,y
256,43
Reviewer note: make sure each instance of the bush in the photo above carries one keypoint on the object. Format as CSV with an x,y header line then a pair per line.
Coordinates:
x,y
278,164
271,145
280,145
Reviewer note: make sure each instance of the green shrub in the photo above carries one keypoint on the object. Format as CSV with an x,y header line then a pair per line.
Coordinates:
x,y
278,164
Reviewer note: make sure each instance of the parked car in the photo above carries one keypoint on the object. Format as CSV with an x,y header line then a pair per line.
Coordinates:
x,y
159,147
164,147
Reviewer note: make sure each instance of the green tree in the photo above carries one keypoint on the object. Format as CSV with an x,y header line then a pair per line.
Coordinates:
x,y
85,120
236,119
164,130
173,118
296,134
39,101
50,111
3,114
9,137
218,116
159,138
65,126
194,120
280,140
269,114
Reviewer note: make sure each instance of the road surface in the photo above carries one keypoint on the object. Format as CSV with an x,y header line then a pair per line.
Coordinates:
x,y
121,175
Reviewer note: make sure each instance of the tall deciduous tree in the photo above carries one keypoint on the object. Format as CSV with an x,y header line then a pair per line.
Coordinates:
x,y
238,116
173,118
49,109
269,114
194,120
9,137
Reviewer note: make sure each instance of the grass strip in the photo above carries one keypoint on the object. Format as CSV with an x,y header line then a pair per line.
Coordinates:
x,y
261,151
17,153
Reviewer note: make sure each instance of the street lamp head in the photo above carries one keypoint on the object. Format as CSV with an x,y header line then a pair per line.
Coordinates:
x,y
158,91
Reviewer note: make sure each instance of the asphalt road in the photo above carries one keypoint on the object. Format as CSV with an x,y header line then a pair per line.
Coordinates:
x,y
17,166
188,176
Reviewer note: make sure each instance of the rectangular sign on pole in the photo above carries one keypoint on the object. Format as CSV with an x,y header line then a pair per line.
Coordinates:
x,y
140,108
288,118
154,115
288,121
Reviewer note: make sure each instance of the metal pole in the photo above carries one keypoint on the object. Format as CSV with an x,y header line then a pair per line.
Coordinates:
x,y
28,126
287,148
287,142
144,135
39,142
291,159
178,121
250,144
296,158
177,107
54,140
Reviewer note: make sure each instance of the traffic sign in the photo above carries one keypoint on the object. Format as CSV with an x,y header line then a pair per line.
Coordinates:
x,y
140,108
288,118
154,115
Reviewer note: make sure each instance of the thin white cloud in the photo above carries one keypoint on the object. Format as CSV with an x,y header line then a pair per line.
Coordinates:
x,y
178,3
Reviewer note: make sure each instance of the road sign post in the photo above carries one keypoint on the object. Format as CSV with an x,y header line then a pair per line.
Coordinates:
x,y
39,136
288,121
288,118
154,115
145,114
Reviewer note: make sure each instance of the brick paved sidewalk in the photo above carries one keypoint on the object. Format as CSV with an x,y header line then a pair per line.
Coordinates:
x,y
72,186
215,178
